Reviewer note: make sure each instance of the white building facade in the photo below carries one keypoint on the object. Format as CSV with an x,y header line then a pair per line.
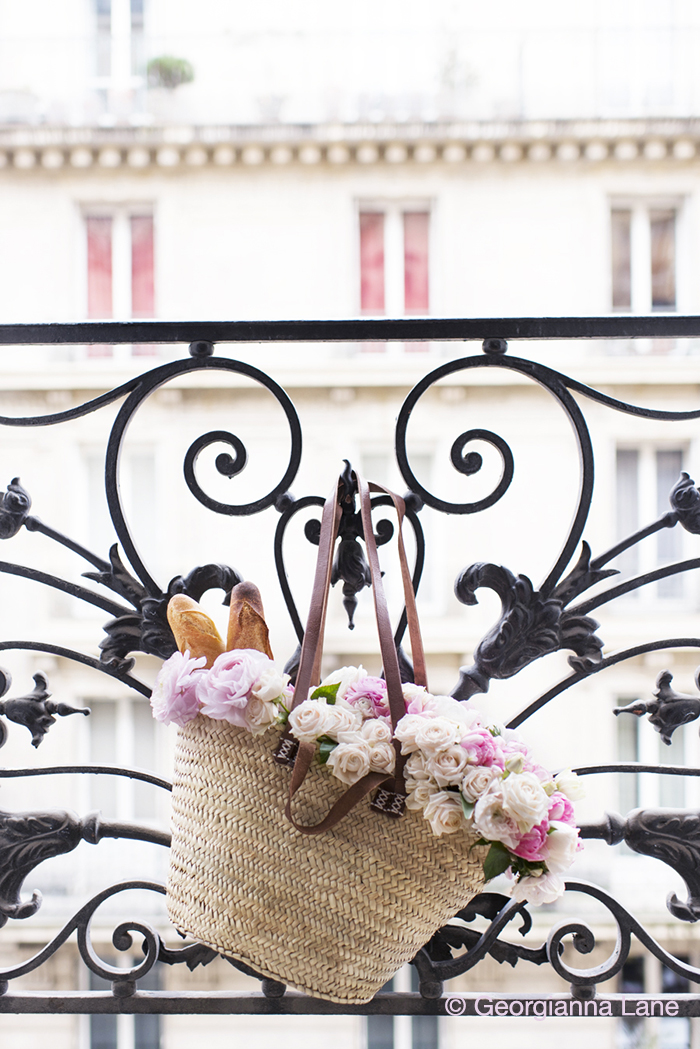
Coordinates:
x,y
127,202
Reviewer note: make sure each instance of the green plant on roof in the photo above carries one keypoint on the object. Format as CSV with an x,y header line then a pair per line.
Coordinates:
x,y
169,72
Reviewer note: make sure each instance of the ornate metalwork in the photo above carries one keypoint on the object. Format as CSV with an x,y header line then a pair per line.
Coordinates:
x,y
531,624
35,710
668,710
535,621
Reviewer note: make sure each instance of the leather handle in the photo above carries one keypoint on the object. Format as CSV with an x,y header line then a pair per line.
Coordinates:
x,y
309,663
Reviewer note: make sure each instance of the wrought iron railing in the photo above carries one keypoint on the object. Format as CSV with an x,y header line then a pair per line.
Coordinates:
x,y
533,623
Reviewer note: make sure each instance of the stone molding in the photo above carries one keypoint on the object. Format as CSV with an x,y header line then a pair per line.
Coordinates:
x,y
52,149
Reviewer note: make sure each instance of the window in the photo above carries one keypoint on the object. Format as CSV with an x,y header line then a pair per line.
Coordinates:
x,y
665,1032
394,260
631,1029
138,489
119,42
402,1032
381,467
123,732
643,257
120,264
637,741
674,1031
126,1032
645,477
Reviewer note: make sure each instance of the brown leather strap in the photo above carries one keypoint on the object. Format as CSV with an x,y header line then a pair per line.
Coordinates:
x,y
390,660
312,646
344,804
417,652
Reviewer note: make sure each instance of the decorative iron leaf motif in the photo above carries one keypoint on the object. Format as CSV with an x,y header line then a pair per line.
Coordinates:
x,y
119,579
147,629
668,710
439,959
672,836
531,625
26,840
35,710
350,563
15,505
685,500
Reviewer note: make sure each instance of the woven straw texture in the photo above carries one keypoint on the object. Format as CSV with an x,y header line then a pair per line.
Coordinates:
x,y
334,915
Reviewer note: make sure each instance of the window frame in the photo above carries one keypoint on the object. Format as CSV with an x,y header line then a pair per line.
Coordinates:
x,y
647,598
120,214
394,209
641,208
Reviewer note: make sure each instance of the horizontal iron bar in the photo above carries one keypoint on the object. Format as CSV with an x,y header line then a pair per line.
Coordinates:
x,y
292,1004
636,767
364,329
96,770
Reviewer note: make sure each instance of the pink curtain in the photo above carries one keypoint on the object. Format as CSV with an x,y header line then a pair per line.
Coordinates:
x,y
99,267
142,281
415,255
372,262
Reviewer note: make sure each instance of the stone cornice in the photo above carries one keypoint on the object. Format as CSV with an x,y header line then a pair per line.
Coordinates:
x,y
478,142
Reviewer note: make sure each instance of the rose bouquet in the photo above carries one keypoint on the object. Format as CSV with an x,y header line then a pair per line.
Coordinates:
x,y
463,774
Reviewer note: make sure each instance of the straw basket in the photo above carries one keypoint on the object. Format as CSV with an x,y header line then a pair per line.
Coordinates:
x,y
335,915
332,902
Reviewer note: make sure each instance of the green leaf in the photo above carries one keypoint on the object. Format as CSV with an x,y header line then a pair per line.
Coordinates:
x,y
498,859
467,807
326,745
479,841
327,692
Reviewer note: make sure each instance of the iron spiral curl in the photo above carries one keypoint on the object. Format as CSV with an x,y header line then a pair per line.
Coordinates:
x,y
226,465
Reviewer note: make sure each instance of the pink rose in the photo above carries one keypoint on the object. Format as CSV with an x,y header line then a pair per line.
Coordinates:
x,y
532,843
560,808
224,692
372,689
416,698
174,697
481,748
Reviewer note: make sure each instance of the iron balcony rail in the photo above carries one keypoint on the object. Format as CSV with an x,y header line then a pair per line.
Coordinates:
x,y
533,624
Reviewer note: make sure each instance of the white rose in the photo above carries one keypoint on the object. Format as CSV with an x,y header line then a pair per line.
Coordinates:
x,y
307,721
545,889
406,732
419,793
492,821
365,707
376,731
346,677
460,713
416,767
350,761
560,847
340,720
415,694
446,766
259,715
270,685
435,734
524,800
477,780
443,812
382,757
568,783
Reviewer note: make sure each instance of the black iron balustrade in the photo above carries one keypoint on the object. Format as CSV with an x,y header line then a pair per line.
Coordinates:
x,y
533,624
